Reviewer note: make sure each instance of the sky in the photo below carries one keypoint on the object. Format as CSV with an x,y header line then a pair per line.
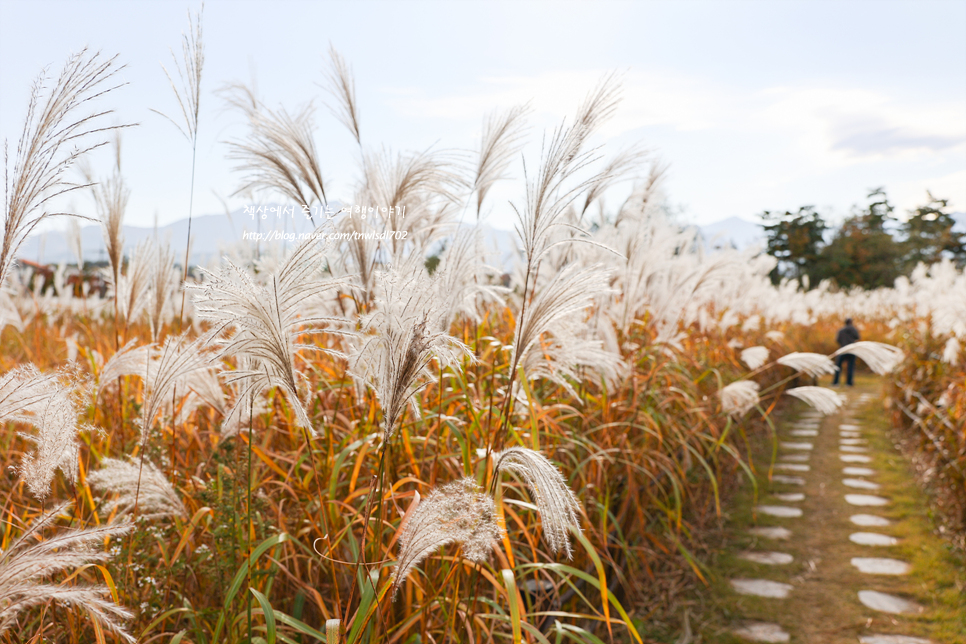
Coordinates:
x,y
753,105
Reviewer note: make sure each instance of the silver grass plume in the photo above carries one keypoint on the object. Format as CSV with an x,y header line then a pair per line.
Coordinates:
x,y
502,135
23,390
134,285
57,133
111,197
279,151
189,69
738,398
881,358
556,503
342,86
401,338
177,358
157,498
951,351
464,277
265,321
623,165
823,400
55,420
421,188
814,364
754,357
569,292
75,241
129,360
457,512
162,287
24,566
548,194
775,336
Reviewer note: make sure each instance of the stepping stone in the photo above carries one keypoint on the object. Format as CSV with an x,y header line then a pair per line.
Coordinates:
x,y
850,427
769,532
790,497
780,510
889,639
800,446
792,467
768,558
804,432
865,499
858,471
887,603
853,441
861,484
852,448
787,480
872,539
800,457
869,520
762,632
881,566
761,588
855,458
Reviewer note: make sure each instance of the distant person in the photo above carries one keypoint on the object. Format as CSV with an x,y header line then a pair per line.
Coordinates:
x,y
846,335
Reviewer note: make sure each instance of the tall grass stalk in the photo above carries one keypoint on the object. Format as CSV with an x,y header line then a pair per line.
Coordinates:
x,y
187,91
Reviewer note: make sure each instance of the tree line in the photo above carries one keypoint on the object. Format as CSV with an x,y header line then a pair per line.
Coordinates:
x,y
870,248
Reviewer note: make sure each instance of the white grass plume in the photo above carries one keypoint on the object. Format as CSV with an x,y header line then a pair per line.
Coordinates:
x,y
822,399
951,351
570,292
24,566
624,164
187,92
266,323
457,512
555,500
739,397
56,444
814,364
111,197
754,357
177,358
775,336
881,358
75,241
129,360
163,283
401,338
502,135
463,276
134,285
279,152
157,498
23,390
342,86
548,194
58,131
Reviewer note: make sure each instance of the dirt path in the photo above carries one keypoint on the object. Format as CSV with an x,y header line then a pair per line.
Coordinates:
x,y
840,547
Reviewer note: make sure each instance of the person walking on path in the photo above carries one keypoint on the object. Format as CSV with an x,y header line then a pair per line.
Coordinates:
x,y
846,335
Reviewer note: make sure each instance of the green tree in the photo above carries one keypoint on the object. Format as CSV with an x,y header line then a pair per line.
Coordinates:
x,y
795,240
863,252
929,235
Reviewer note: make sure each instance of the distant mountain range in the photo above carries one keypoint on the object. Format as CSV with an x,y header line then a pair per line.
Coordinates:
x,y
213,235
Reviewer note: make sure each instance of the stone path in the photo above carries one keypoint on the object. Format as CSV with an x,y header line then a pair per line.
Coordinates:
x,y
828,544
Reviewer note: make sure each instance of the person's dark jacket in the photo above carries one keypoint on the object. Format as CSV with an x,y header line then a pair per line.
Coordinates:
x,y
847,335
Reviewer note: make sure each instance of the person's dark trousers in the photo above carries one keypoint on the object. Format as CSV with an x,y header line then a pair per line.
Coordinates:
x,y
850,359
